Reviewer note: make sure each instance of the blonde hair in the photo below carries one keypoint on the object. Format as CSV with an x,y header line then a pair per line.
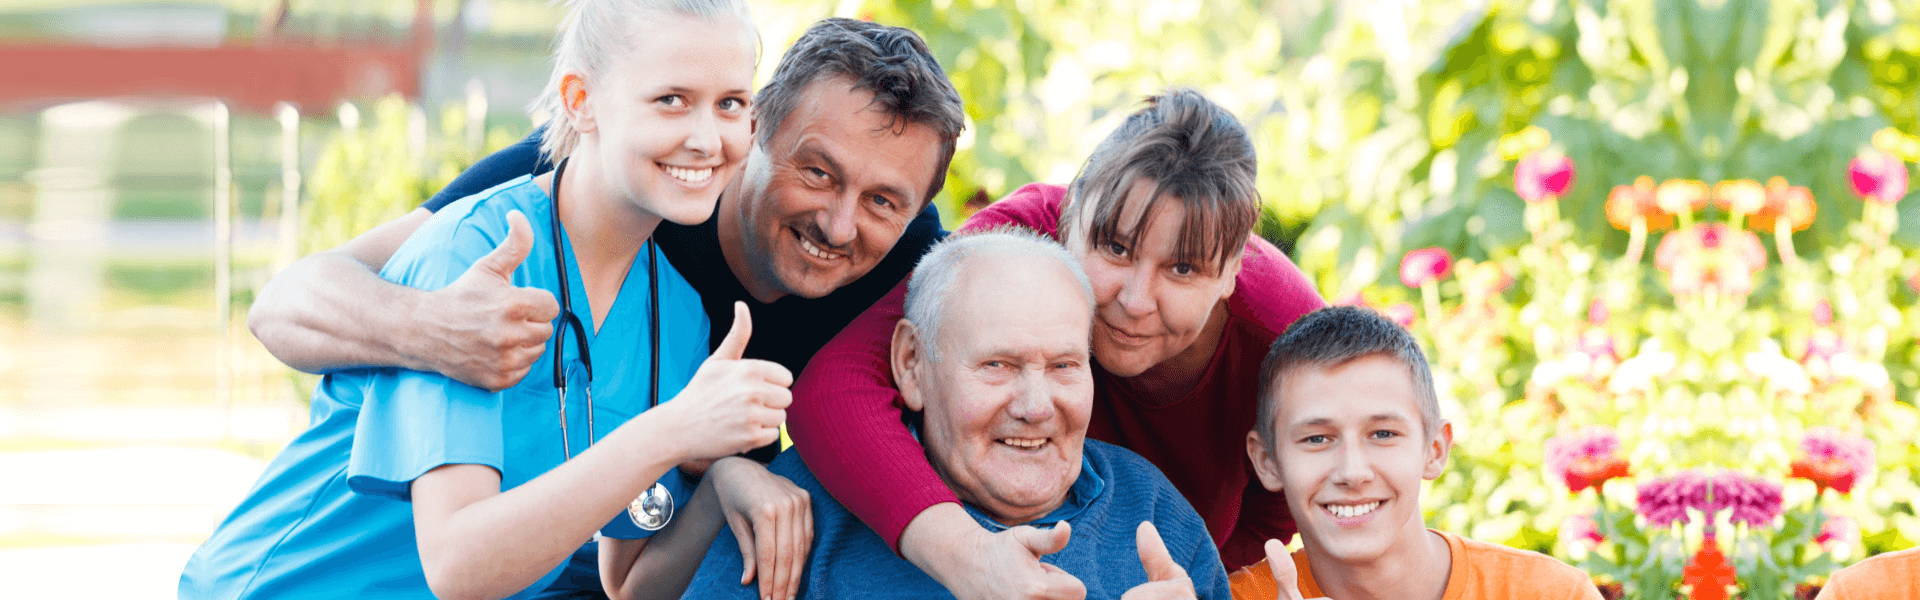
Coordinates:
x,y
593,35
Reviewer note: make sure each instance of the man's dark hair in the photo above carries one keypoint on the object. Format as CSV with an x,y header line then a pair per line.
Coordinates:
x,y
892,63
1190,149
1331,337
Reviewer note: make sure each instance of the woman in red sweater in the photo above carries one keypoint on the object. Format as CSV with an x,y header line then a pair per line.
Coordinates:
x,y
1189,299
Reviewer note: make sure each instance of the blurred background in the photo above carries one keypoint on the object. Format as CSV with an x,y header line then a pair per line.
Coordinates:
x,y
1665,242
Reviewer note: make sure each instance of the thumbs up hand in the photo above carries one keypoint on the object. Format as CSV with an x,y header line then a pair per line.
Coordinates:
x,y
1285,576
1165,578
489,332
732,404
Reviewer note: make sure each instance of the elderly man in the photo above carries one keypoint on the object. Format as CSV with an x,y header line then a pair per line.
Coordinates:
x,y
993,360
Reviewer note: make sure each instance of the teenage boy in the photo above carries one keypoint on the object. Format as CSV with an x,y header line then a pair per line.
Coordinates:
x,y
1349,425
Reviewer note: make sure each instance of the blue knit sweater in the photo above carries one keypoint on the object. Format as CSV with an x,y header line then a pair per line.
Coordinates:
x,y
1116,491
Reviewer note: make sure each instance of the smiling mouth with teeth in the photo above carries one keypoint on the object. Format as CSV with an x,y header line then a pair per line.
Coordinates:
x,y
689,175
1024,444
815,250
1348,511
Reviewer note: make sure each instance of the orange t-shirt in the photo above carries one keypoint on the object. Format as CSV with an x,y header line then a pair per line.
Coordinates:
x,y
1890,576
1481,571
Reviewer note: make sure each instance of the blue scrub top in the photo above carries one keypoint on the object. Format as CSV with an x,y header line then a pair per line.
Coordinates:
x,y
331,518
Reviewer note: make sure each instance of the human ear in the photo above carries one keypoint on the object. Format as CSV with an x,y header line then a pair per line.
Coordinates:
x,y
905,359
1230,274
1264,464
1437,450
573,100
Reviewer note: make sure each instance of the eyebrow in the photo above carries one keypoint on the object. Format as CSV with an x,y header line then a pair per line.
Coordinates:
x,y
808,149
679,89
1374,418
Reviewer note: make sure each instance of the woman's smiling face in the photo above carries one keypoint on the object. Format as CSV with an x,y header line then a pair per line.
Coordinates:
x,y
1153,302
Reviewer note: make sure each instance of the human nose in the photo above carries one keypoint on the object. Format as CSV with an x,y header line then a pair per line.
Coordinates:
x,y
1136,291
704,139
1354,468
1033,401
837,221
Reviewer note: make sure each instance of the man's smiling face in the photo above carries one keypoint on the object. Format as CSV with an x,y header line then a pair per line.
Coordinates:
x,y
1350,449
826,196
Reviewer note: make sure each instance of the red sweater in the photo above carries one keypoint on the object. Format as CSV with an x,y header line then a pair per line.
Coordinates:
x,y
845,417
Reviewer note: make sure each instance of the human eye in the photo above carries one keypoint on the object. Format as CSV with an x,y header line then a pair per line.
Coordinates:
x,y
1184,269
1385,434
1117,249
1316,440
672,100
817,174
732,104
881,201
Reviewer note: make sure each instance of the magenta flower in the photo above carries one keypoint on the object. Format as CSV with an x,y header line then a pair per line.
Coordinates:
x,y
1582,529
1839,529
1878,178
1540,178
1424,266
1665,501
1753,501
1832,459
1586,458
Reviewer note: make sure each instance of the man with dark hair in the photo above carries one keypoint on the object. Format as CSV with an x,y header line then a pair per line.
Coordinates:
x,y
1349,427
831,208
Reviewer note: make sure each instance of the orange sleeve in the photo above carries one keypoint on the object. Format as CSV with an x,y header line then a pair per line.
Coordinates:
x,y
1253,582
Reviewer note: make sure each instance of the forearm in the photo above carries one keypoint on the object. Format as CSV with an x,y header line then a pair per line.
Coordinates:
x,y
663,565
846,424
329,311
479,543
935,542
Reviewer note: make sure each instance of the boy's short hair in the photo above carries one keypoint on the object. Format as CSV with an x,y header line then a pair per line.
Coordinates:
x,y
1334,336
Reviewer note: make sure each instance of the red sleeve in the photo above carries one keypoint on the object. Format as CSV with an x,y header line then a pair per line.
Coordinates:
x,y
1035,206
845,422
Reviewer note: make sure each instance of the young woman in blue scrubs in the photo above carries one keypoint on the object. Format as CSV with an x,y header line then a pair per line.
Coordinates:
x,y
411,484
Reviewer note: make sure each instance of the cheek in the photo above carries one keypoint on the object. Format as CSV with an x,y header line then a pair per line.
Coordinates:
x,y
1105,279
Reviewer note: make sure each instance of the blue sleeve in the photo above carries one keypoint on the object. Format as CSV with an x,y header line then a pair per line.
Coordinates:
x,y
678,485
522,158
411,421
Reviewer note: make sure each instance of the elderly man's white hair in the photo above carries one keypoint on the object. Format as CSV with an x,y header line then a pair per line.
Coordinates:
x,y
594,34
934,276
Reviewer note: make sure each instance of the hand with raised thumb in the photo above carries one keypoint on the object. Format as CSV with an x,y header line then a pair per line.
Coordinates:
x,y
481,329
733,404
1165,578
1285,576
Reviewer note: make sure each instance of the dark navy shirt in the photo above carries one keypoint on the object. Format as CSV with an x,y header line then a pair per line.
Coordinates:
x,y
788,330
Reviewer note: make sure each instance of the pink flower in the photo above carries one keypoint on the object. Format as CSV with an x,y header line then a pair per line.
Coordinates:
x,y
1838,530
1424,266
1665,501
1539,178
1878,178
1832,459
1581,529
1586,458
1710,257
1753,501
1402,313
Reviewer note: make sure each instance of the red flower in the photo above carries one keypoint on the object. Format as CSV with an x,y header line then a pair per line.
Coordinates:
x,y
1424,266
1832,460
1878,178
1791,202
1638,200
1708,573
1587,458
1540,178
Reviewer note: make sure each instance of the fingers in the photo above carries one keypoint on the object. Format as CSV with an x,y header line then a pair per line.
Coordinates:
x,y
1153,555
735,344
767,541
1043,542
1284,575
743,534
507,256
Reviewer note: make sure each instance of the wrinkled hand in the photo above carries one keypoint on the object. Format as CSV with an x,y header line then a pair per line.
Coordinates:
x,y
732,404
1285,576
1165,578
481,329
1007,566
771,518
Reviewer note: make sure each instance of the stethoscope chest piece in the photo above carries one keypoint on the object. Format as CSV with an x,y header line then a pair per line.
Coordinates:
x,y
653,509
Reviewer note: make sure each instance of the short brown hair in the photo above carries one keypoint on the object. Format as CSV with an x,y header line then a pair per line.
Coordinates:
x,y
1192,150
892,63
1334,336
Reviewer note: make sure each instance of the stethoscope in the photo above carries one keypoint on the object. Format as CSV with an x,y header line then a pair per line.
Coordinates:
x,y
654,508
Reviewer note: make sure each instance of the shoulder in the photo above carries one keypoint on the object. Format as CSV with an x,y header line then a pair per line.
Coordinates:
x,y
1145,488
1270,290
1866,578
521,158
465,230
1545,575
1035,206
